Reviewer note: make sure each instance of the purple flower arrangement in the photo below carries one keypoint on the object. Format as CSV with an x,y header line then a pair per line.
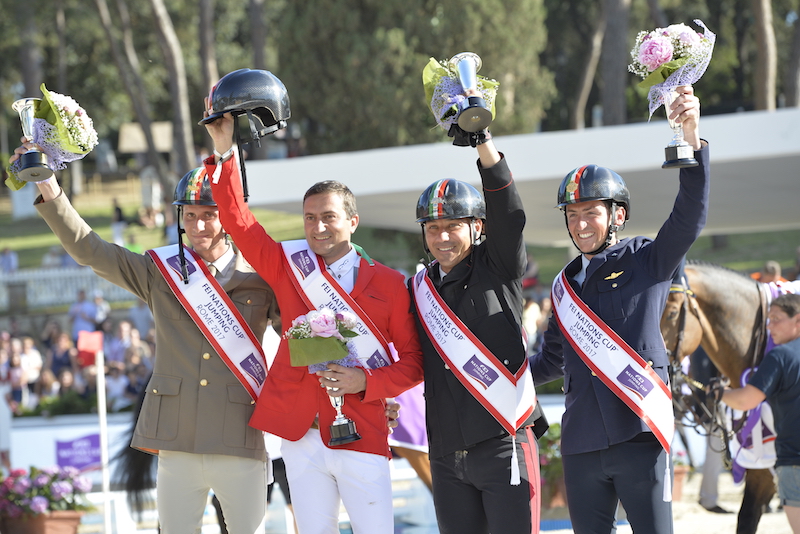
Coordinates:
x,y
43,490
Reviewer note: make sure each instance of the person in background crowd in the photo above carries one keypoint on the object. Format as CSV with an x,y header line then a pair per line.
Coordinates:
x,y
770,272
32,361
102,309
118,345
141,317
9,261
63,355
7,409
82,314
52,258
49,335
118,224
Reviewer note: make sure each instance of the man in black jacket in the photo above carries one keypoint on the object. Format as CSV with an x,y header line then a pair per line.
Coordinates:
x,y
468,305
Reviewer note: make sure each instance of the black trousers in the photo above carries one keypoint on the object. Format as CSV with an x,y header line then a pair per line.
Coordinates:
x,y
633,473
472,493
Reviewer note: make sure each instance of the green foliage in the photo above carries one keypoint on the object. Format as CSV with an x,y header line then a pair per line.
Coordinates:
x,y
68,403
550,463
354,75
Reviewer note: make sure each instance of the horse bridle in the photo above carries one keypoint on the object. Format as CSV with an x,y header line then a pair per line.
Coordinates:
x,y
703,416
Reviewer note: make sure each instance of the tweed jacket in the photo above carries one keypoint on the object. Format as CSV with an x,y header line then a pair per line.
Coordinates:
x,y
630,301
194,403
292,398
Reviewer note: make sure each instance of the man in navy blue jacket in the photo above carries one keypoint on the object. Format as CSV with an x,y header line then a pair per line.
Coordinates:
x,y
612,450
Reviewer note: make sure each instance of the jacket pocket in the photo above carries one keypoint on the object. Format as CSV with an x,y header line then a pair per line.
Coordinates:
x,y
162,403
616,292
236,432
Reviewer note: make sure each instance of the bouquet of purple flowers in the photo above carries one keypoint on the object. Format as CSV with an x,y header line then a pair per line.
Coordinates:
x,y
666,58
320,337
43,490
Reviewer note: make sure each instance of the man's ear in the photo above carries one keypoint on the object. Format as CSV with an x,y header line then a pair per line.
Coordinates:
x,y
354,223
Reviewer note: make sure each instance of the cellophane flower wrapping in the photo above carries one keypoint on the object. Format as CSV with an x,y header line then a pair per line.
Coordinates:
x,y
443,92
666,58
320,337
64,131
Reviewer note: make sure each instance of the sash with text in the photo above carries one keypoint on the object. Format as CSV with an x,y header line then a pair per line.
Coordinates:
x,y
510,398
319,289
614,361
215,315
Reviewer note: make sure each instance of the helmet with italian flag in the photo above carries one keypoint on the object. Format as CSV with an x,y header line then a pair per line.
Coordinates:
x,y
194,189
450,199
592,182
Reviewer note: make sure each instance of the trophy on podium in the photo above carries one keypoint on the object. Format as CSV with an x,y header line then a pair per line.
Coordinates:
x,y
473,115
33,163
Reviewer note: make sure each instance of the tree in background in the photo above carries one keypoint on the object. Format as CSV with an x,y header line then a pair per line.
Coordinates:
x,y
355,75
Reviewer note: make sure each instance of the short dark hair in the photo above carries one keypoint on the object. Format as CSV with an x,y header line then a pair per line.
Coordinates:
x,y
332,186
789,303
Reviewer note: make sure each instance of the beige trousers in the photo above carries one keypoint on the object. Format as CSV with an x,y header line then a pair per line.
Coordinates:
x,y
184,480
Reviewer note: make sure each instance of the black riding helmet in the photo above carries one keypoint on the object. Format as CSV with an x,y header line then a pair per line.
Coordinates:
x,y
592,182
450,199
257,93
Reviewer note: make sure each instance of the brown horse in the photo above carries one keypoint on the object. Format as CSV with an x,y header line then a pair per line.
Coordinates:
x,y
724,311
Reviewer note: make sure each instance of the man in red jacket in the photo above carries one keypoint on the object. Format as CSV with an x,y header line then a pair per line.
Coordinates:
x,y
325,269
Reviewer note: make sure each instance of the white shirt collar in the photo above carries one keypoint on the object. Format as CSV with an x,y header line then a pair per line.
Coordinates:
x,y
223,261
342,268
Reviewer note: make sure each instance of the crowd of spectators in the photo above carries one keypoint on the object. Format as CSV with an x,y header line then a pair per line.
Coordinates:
x,y
40,368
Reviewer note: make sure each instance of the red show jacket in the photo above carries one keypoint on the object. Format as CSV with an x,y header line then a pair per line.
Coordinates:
x,y
291,397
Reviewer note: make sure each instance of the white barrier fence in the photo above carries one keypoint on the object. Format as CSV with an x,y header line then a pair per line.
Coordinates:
x,y
31,289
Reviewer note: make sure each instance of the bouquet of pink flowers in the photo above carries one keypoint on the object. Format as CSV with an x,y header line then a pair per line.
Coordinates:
x,y
320,337
42,491
666,58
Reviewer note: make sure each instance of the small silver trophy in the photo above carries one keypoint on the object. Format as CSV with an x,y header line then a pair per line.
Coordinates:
x,y
473,115
33,163
678,152
343,429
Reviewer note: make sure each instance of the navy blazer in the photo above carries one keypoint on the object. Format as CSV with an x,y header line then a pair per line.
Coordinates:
x,y
631,304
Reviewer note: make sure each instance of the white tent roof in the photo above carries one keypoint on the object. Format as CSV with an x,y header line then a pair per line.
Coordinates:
x,y
755,174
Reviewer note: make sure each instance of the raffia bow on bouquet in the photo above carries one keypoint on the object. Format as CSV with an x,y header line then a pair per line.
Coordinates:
x,y
444,93
63,130
666,58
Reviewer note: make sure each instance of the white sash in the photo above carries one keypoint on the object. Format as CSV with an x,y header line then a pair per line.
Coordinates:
x,y
614,361
215,315
510,398
319,290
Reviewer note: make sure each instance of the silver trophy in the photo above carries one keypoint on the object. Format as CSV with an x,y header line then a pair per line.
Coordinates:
x,y
678,153
473,115
343,429
33,163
